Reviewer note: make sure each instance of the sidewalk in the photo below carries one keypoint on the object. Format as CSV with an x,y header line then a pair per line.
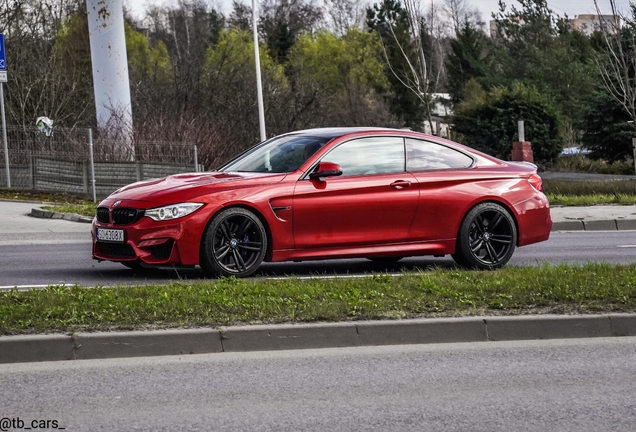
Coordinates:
x,y
594,218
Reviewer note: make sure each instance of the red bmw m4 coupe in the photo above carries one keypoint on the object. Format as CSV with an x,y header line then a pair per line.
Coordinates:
x,y
376,193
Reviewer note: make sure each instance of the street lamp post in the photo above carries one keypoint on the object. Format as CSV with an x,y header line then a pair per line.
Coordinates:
x,y
259,86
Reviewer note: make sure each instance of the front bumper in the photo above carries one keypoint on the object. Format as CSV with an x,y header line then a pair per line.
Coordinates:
x,y
153,243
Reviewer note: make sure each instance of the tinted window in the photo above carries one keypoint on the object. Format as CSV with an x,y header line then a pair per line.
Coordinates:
x,y
280,154
426,156
380,155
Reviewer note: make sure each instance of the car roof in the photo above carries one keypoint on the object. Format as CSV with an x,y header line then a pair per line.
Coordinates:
x,y
334,132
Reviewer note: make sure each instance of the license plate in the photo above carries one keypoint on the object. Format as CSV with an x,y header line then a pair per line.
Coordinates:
x,y
110,235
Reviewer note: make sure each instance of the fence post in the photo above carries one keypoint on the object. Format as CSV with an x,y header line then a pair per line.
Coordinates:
x,y
196,159
32,169
4,138
139,170
634,147
90,154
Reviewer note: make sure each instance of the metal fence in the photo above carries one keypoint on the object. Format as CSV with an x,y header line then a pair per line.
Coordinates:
x,y
70,161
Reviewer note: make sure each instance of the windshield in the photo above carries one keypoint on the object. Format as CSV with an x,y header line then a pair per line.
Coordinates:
x,y
278,155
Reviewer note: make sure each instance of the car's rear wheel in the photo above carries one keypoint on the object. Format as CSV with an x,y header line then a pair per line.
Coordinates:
x,y
234,244
487,237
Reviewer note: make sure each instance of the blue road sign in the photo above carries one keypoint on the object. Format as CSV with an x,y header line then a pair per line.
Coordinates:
x,y
3,56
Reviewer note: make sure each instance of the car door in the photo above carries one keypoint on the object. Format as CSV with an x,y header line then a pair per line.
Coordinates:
x,y
372,202
445,181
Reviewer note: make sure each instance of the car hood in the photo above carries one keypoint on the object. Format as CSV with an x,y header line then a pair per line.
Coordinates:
x,y
182,187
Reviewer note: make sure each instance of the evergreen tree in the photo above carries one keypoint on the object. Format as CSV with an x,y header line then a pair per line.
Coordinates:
x,y
467,60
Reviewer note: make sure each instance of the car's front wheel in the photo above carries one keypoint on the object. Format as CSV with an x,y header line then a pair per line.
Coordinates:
x,y
234,244
487,237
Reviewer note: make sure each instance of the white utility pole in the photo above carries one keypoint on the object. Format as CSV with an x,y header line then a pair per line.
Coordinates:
x,y
259,86
110,67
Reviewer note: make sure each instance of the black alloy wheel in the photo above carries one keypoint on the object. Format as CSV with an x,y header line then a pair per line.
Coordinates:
x,y
487,237
234,244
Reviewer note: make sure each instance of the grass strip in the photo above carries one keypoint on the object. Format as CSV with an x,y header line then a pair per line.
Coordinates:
x,y
87,210
590,200
592,288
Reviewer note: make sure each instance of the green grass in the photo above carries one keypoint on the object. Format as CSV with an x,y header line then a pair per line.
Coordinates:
x,y
49,197
586,193
88,209
592,288
590,200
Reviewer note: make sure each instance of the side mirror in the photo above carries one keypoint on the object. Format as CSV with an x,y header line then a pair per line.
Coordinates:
x,y
326,169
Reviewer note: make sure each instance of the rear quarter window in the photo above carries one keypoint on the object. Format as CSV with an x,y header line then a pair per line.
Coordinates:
x,y
429,156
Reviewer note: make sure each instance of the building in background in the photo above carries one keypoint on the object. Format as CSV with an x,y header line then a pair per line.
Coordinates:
x,y
586,24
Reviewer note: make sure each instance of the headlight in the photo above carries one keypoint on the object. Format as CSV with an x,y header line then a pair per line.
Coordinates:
x,y
173,211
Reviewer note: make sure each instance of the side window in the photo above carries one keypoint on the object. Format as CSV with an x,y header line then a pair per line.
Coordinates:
x,y
378,155
428,156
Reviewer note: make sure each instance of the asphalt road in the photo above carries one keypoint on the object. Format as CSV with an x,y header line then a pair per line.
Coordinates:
x,y
565,385
47,263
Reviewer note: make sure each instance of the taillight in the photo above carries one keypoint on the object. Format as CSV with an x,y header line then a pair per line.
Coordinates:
x,y
536,182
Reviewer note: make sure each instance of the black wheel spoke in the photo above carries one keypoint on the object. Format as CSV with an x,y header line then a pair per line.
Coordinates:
x,y
497,221
225,230
476,245
222,252
244,227
492,253
250,246
240,264
500,238
479,224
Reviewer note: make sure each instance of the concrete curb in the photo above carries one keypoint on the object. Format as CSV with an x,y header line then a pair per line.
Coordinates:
x,y
46,214
595,225
35,348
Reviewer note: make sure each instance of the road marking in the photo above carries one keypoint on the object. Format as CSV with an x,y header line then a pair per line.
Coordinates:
x,y
35,287
627,246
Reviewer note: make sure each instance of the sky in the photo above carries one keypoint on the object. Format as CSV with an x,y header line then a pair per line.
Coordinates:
x,y
486,7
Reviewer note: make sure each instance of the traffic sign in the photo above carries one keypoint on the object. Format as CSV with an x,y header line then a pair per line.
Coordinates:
x,y
3,56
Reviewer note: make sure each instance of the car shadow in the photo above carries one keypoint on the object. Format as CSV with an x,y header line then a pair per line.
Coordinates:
x,y
303,269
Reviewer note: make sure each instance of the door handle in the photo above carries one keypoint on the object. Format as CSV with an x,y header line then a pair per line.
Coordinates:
x,y
400,184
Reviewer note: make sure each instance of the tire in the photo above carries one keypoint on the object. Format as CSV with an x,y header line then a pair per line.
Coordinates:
x,y
487,238
234,244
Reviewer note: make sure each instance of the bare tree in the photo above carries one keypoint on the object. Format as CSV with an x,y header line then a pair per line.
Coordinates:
x,y
619,65
426,65
345,14
459,12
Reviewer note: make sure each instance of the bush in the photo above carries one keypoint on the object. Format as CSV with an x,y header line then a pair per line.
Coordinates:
x,y
581,163
488,122
605,128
